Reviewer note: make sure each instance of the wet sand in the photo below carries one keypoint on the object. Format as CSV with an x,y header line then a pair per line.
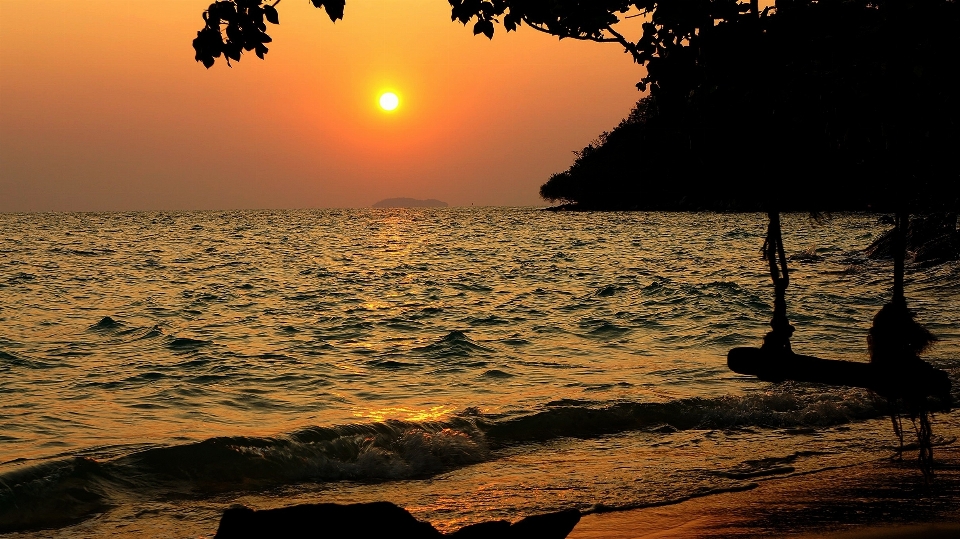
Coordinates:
x,y
877,499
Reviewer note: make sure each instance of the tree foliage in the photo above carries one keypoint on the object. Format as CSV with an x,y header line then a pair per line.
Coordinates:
x,y
814,105
672,30
232,27
811,104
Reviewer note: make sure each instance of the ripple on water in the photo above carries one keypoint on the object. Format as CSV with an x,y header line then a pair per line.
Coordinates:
x,y
455,344
544,325
186,344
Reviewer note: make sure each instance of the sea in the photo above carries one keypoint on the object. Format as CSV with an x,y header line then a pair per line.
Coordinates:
x,y
467,364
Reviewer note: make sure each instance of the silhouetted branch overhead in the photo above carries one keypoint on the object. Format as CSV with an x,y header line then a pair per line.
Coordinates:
x,y
819,105
234,26
671,25
813,105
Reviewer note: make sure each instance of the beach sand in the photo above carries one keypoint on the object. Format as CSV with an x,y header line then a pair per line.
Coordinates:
x,y
878,499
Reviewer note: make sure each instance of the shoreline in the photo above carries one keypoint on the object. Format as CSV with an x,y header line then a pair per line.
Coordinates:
x,y
881,498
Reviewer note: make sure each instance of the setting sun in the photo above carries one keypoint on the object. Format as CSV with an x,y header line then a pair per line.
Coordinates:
x,y
389,101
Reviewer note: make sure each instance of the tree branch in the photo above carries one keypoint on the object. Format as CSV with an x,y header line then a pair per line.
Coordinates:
x,y
629,45
537,27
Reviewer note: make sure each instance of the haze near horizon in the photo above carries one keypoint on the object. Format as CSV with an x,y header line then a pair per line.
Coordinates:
x,y
102,107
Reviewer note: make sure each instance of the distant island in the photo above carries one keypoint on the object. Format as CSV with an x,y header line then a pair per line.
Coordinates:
x,y
410,203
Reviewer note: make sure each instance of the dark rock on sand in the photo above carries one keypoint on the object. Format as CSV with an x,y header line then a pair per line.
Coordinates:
x,y
549,526
376,521
379,519
546,526
494,528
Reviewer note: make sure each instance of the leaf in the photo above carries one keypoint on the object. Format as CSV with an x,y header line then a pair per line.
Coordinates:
x,y
334,8
512,21
234,33
487,9
271,14
465,10
483,27
233,51
208,46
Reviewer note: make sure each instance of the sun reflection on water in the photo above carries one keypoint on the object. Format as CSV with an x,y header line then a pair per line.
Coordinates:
x,y
435,413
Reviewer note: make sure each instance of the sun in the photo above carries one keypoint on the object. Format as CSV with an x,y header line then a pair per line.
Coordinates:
x,y
389,101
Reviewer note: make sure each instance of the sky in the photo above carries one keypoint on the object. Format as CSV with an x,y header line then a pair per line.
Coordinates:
x,y
103,108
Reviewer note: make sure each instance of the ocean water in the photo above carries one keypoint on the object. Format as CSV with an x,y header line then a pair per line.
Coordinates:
x,y
467,364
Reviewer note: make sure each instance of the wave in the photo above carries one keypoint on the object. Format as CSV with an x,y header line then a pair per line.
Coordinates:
x,y
9,360
59,492
82,252
609,290
106,323
186,344
776,410
699,493
496,373
455,344
50,494
750,469
21,277
603,329
56,492
491,320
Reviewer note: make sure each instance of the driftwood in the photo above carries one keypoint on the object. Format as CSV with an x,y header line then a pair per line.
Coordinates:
x,y
913,380
376,521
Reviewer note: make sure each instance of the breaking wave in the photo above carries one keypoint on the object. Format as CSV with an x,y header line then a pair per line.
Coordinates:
x,y
59,491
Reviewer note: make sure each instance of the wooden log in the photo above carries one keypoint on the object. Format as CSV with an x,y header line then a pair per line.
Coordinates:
x,y
914,380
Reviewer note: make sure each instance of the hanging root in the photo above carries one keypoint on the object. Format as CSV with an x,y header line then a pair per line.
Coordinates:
x,y
925,441
898,430
896,341
896,337
924,432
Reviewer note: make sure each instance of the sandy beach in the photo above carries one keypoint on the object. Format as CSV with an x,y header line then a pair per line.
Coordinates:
x,y
879,499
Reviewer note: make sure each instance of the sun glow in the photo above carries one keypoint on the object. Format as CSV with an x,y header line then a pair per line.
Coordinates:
x,y
389,101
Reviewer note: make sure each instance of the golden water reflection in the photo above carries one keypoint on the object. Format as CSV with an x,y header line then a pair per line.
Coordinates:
x,y
435,413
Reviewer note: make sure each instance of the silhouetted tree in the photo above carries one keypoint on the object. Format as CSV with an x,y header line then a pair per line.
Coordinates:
x,y
785,103
835,104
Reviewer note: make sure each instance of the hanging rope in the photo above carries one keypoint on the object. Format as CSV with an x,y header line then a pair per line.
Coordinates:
x,y
896,341
778,339
901,222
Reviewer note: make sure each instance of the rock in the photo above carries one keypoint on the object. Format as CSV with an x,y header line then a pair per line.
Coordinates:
x,y
549,526
483,530
357,521
376,521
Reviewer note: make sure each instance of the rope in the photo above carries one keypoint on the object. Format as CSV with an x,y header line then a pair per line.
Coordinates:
x,y
901,222
896,341
778,339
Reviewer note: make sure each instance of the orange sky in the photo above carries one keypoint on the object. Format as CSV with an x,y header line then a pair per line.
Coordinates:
x,y
102,107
